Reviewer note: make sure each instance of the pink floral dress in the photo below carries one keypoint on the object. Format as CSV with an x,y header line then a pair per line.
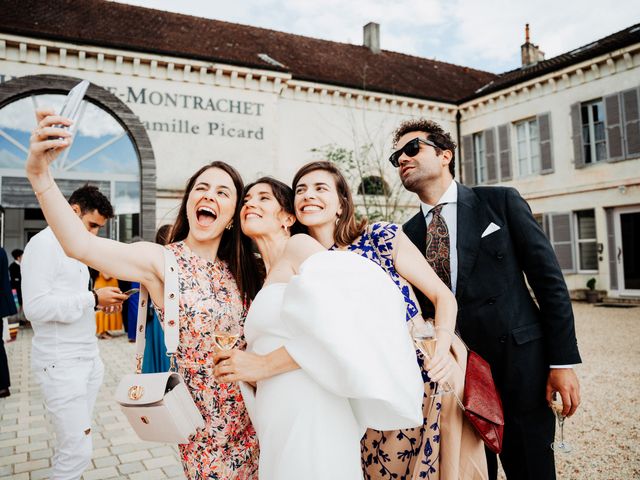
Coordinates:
x,y
227,448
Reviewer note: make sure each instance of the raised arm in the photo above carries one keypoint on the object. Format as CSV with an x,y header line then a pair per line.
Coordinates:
x,y
142,262
412,265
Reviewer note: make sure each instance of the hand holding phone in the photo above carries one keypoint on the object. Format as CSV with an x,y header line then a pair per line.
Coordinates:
x,y
128,293
71,107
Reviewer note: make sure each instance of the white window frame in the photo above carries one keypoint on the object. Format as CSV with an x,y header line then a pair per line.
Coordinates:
x,y
578,241
479,158
531,167
592,132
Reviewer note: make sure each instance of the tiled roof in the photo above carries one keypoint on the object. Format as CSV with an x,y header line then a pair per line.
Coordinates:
x,y
120,26
621,39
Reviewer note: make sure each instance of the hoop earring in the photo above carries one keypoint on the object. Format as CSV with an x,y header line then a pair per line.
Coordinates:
x,y
337,221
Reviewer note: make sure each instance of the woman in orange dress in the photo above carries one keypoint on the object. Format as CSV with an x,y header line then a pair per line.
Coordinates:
x,y
106,321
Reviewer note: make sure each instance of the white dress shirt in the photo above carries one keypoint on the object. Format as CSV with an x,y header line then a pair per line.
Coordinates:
x,y
450,214
57,302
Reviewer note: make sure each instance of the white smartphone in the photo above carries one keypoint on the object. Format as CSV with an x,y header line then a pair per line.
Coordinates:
x,y
71,107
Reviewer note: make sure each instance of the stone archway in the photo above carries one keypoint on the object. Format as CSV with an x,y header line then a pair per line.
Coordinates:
x,y
17,88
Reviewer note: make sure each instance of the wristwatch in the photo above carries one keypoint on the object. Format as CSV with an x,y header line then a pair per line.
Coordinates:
x,y
95,297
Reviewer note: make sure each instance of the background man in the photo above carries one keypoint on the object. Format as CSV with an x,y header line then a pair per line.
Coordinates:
x,y
64,355
7,307
482,242
16,274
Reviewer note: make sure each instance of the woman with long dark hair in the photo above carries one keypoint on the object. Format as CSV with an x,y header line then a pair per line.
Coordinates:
x,y
328,358
324,205
218,277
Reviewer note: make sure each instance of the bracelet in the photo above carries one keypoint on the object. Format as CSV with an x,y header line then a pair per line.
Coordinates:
x,y
44,191
95,298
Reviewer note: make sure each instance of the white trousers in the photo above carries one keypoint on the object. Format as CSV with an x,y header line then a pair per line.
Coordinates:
x,y
70,388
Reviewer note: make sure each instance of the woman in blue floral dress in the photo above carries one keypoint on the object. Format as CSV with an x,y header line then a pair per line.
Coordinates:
x,y
324,205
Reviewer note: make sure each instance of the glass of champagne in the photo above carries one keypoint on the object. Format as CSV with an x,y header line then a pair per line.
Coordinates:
x,y
226,339
556,405
424,337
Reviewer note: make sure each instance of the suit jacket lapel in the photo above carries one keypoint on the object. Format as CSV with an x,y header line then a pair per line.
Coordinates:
x,y
416,230
471,219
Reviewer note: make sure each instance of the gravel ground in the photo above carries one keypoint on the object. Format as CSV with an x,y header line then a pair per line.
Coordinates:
x,y
605,431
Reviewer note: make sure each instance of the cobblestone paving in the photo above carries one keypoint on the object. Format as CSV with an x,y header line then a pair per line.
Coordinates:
x,y
26,436
605,432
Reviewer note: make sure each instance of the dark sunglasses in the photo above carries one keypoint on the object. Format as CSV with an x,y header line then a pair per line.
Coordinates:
x,y
411,148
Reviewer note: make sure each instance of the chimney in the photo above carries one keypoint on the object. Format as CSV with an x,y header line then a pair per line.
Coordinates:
x,y
530,53
372,36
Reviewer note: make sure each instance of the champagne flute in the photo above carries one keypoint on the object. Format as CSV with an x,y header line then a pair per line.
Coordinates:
x,y
557,406
424,337
226,339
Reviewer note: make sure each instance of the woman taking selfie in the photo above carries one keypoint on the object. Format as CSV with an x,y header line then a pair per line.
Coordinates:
x,y
217,279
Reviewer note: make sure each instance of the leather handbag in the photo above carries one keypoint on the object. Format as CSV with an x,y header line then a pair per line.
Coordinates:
x,y
481,402
159,406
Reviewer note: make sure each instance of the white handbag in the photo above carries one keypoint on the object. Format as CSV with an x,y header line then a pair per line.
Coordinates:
x,y
159,406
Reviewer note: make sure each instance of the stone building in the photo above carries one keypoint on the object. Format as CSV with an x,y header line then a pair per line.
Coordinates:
x,y
171,92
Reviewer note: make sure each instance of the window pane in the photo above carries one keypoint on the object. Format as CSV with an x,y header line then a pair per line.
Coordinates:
x,y
585,114
100,144
588,256
479,157
533,130
587,154
586,135
535,163
601,151
599,131
586,224
598,112
127,197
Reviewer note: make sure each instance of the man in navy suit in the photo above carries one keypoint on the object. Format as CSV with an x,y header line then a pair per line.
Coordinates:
x,y
484,242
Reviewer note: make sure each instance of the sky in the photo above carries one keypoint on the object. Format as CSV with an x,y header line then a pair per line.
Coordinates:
x,y
483,34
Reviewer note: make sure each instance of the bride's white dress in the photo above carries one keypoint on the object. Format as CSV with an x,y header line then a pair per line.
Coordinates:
x,y
343,321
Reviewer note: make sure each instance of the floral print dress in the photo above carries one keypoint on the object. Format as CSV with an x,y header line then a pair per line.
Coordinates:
x,y
409,453
227,448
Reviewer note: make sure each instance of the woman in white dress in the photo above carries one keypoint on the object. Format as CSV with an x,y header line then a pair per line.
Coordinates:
x,y
328,349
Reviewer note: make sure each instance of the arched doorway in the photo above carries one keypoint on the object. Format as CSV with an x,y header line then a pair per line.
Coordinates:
x,y
111,149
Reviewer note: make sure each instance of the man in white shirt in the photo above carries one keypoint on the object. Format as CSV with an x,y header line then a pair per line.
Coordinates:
x,y
64,355
483,242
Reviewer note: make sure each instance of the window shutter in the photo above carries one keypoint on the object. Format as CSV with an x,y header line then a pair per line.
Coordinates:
x,y
611,250
544,137
613,121
468,171
576,127
631,123
504,149
561,228
490,154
